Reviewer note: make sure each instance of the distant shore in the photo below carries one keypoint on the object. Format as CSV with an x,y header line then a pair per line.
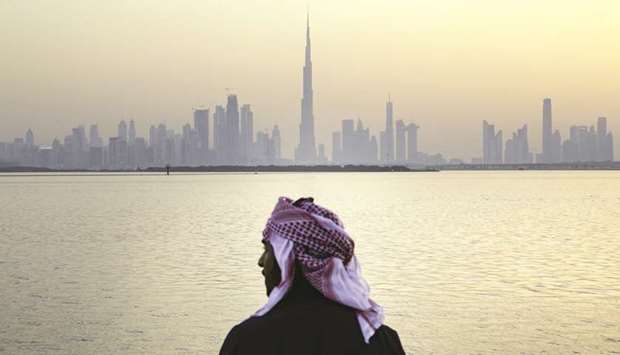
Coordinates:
x,y
232,168
328,168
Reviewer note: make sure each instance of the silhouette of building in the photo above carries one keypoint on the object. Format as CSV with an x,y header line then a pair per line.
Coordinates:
x,y
201,125
322,158
551,140
306,150
247,133
604,141
586,144
517,148
401,143
412,143
491,144
29,138
232,147
277,143
354,145
95,138
336,147
547,131
387,141
131,135
219,133
348,138
122,130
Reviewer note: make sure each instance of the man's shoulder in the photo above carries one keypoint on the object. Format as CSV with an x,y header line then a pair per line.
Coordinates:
x,y
387,339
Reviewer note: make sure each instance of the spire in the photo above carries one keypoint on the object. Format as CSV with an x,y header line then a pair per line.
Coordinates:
x,y
308,45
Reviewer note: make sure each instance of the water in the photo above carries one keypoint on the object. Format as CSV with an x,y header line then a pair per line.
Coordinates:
x,y
463,262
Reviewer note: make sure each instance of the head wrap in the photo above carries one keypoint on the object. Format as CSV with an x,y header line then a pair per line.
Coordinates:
x,y
314,237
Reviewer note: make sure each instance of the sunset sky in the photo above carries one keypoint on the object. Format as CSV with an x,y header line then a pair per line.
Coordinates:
x,y
447,64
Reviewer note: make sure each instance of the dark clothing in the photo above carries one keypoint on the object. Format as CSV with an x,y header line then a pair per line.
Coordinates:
x,y
306,323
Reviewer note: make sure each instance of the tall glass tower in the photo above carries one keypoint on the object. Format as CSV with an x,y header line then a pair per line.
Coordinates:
x,y
306,150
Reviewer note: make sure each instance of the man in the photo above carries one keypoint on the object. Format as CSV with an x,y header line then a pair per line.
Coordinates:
x,y
318,303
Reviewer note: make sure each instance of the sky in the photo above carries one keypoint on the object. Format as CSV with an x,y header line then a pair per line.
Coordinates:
x,y
447,65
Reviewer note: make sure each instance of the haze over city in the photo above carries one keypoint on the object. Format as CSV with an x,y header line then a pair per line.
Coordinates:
x,y
446,66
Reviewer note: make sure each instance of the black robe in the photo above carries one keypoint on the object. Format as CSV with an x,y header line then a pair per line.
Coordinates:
x,y
307,323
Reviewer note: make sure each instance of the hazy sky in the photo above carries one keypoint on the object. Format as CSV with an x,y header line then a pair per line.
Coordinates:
x,y
448,64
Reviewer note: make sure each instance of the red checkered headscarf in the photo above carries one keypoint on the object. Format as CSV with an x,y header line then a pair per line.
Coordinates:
x,y
314,237
314,244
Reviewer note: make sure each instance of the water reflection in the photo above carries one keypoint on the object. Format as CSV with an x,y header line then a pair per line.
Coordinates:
x,y
463,262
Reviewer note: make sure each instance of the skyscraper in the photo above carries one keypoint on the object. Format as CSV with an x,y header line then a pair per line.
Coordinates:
x,y
29,138
122,130
306,150
492,150
232,130
348,140
401,143
604,141
153,136
219,133
201,125
547,132
336,147
517,148
132,132
412,142
247,132
95,139
277,143
387,152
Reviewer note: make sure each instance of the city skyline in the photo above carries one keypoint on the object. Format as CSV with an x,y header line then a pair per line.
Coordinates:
x,y
235,143
448,111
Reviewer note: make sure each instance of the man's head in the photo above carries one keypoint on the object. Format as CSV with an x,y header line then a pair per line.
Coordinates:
x,y
304,239
271,269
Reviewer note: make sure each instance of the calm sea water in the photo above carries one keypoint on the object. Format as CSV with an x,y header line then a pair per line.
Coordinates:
x,y
463,262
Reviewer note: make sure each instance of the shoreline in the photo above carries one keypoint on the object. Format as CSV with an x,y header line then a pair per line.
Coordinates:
x,y
603,166
230,168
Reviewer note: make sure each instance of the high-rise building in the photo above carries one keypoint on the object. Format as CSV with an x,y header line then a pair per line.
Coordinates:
x,y
122,130
247,133
354,145
412,142
161,149
219,133
152,136
201,125
604,141
373,154
387,151
264,148
581,145
95,138
277,143
556,147
517,148
547,132
401,143
232,130
29,138
322,158
382,145
306,150
131,137
336,147
348,140
491,144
